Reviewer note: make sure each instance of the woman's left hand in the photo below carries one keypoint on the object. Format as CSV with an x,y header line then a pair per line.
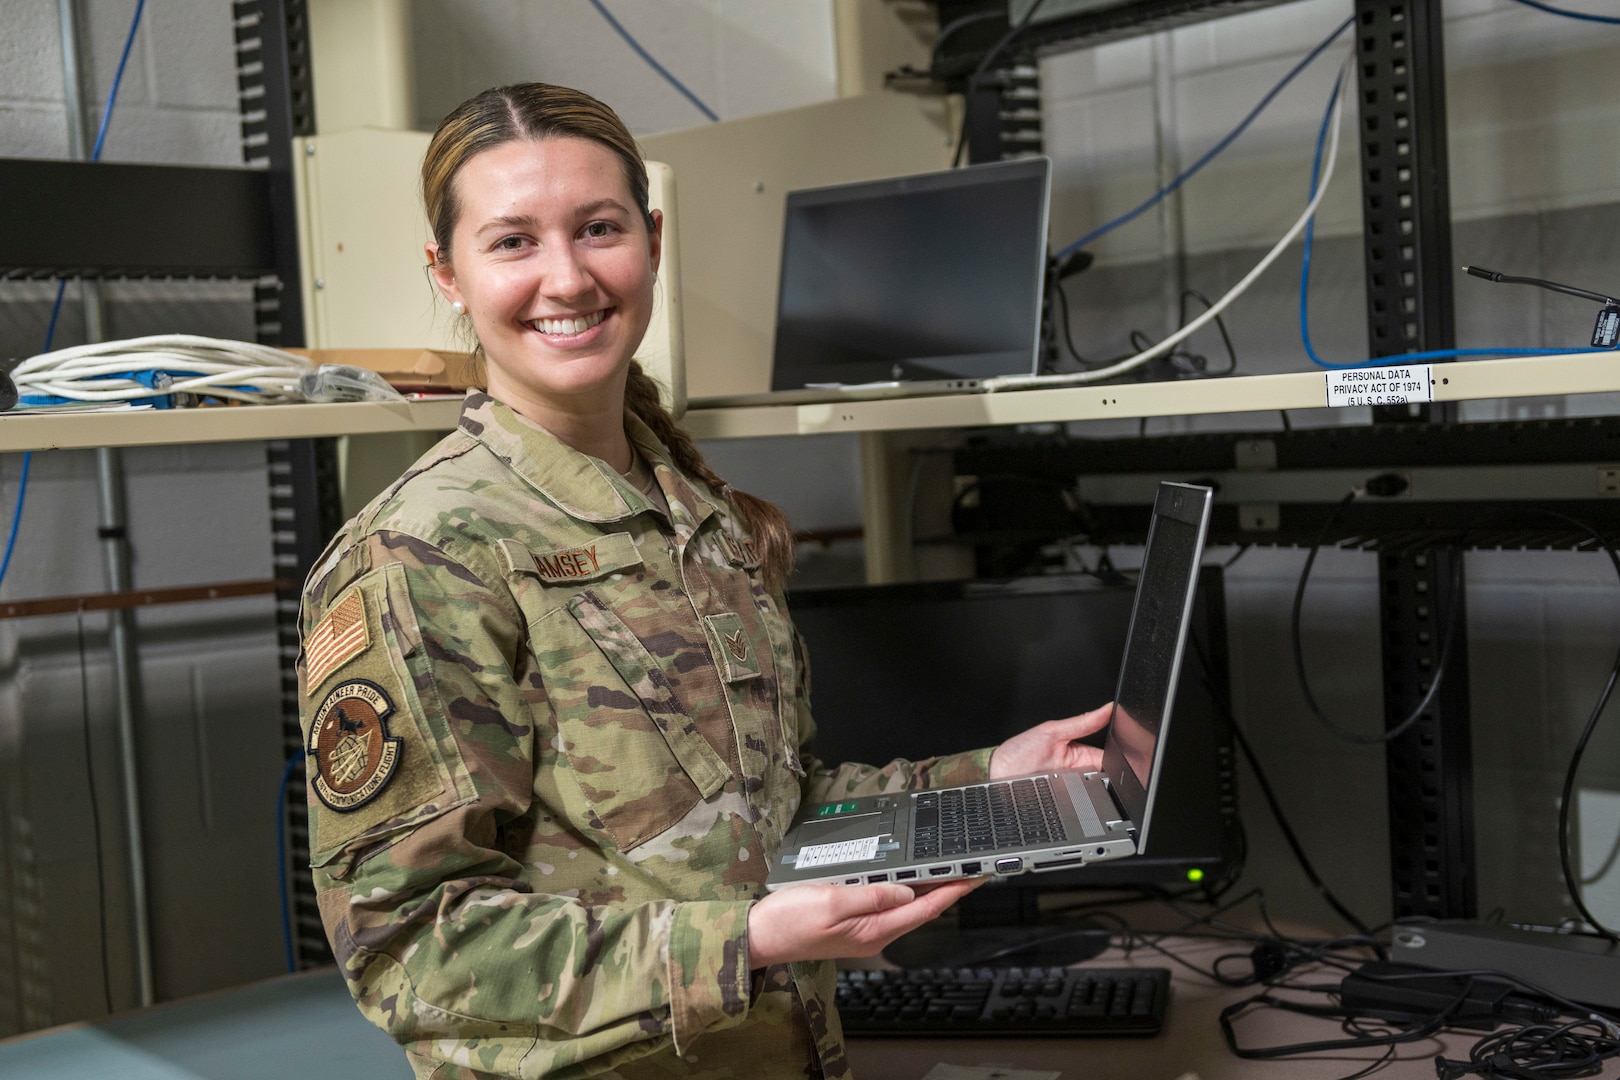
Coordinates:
x,y
1051,746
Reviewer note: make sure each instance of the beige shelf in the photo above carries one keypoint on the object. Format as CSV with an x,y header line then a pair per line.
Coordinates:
x,y
73,431
1575,373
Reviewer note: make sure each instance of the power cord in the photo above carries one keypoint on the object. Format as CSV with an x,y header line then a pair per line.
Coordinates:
x,y
1289,837
1577,1048
1184,363
1391,485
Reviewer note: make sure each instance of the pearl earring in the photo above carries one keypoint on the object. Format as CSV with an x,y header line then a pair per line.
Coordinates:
x,y
458,307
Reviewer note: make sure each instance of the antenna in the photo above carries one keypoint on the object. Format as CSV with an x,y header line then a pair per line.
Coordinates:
x,y
1605,335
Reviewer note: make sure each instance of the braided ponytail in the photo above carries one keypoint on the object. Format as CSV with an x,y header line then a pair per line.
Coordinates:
x,y
768,525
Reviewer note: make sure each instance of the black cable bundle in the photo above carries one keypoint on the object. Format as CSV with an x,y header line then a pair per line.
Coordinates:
x,y
1538,1052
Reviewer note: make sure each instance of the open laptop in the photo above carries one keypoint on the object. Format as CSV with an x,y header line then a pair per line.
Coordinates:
x,y
1047,821
910,286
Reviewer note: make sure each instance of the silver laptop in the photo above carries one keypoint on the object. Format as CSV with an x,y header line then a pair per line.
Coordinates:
x,y
1047,821
910,286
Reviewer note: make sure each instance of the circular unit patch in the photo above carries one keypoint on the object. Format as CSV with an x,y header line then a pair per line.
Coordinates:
x,y
349,745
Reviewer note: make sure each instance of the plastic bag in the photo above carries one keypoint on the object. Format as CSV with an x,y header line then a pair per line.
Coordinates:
x,y
344,382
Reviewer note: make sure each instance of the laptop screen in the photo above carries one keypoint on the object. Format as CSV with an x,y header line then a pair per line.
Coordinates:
x,y
1153,647
935,276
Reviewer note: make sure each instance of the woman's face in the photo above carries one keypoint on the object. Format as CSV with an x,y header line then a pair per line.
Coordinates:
x,y
555,266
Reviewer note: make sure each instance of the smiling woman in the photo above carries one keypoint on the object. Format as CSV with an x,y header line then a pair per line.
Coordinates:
x,y
555,713
558,283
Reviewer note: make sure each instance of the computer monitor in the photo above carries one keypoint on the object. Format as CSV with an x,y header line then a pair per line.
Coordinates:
x,y
932,668
916,278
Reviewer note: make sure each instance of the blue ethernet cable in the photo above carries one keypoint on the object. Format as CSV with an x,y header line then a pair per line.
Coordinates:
x,y
61,286
652,62
1214,151
1566,13
1404,358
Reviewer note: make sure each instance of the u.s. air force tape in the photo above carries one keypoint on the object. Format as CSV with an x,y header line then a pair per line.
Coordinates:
x,y
352,754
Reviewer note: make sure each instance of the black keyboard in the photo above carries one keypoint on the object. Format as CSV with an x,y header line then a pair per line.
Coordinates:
x,y
985,817
930,1002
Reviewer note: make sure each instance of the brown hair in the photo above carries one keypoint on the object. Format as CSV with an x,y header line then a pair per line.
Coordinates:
x,y
541,111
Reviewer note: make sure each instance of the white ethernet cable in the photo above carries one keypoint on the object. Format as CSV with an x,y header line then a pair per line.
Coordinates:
x,y
1038,382
213,367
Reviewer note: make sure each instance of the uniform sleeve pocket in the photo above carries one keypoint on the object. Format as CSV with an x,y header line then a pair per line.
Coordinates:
x,y
639,759
372,762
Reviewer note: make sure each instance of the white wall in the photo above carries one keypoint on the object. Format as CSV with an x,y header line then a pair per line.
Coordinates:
x,y
740,57
177,104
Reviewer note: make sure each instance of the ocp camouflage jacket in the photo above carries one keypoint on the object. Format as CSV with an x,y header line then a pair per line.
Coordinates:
x,y
554,738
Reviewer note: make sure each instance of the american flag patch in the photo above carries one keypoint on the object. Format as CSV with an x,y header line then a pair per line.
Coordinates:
x,y
339,638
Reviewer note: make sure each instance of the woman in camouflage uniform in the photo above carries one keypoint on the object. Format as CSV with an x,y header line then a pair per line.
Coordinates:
x,y
555,713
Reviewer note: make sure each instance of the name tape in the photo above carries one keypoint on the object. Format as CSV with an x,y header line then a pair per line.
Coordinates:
x,y
1405,385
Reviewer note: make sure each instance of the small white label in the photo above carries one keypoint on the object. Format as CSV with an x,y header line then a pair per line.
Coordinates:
x,y
1379,386
841,852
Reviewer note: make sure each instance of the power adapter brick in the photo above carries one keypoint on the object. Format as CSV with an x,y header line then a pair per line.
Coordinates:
x,y
1406,993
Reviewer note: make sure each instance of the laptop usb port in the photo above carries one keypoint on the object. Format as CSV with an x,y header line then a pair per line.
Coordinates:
x,y
905,875
873,879
938,871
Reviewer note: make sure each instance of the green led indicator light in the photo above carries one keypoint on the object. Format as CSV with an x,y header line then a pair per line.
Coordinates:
x,y
835,808
1195,874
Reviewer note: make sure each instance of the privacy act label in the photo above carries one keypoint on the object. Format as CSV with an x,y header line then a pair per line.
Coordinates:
x,y
1405,385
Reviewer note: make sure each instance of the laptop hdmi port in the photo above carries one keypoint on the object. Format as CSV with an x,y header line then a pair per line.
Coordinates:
x,y
938,871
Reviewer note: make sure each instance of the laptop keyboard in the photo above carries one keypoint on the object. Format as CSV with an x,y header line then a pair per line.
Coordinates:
x,y
985,817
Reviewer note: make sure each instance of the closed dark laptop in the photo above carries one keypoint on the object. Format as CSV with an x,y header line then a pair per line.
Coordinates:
x,y
909,286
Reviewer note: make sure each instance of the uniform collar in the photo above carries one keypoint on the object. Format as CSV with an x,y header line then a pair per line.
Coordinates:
x,y
580,485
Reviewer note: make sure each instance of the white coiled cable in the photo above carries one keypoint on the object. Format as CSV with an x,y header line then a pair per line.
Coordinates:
x,y
210,367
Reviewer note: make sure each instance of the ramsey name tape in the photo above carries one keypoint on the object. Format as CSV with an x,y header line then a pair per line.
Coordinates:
x,y
1404,385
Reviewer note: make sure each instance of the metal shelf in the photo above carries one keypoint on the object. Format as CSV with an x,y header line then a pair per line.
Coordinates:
x,y
79,431
1573,373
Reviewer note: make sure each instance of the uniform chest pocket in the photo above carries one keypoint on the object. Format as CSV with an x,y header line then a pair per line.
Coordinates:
x,y
639,759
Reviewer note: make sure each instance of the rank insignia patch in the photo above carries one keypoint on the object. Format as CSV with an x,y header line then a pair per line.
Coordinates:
x,y
352,754
336,640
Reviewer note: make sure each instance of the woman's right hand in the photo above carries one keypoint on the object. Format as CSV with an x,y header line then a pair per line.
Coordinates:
x,y
827,922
